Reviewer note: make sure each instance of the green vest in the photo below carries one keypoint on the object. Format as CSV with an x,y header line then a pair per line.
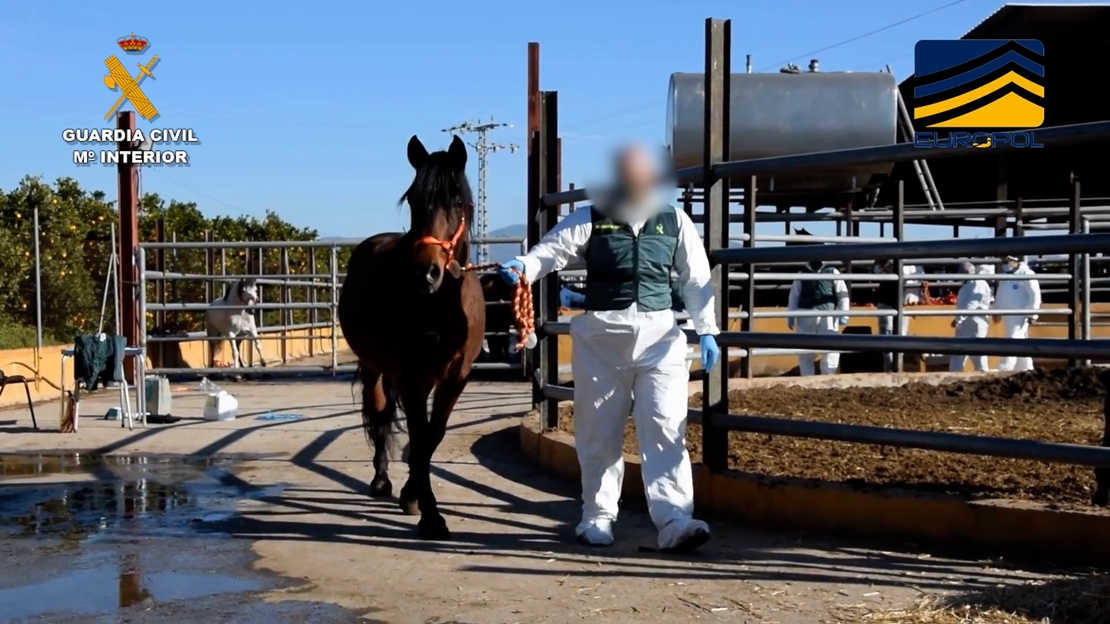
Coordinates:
x,y
623,268
818,294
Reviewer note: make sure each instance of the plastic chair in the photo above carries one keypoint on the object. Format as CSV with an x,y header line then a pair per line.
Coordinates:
x,y
19,379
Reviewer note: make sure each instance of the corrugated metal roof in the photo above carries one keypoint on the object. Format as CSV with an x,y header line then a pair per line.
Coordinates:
x,y
983,28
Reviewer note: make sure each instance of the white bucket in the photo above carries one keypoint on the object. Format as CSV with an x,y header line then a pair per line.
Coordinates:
x,y
220,407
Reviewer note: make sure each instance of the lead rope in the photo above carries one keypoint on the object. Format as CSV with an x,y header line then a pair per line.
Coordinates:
x,y
523,312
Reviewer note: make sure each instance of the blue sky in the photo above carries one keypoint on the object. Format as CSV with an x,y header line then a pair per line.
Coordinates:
x,y
306,108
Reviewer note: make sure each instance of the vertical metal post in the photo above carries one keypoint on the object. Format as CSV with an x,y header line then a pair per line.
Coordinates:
x,y
209,271
313,313
899,235
570,187
716,197
747,324
209,265
261,263
160,284
1075,299
175,285
1086,289
287,300
334,263
547,289
140,383
38,292
1019,217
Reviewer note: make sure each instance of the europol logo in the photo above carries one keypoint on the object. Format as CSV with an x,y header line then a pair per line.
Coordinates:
x,y
979,87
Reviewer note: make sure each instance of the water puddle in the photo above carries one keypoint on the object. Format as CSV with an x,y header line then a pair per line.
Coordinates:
x,y
83,534
100,585
107,493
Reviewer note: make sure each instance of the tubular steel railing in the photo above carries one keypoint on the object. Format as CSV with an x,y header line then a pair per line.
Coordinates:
x,y
545,199
322,296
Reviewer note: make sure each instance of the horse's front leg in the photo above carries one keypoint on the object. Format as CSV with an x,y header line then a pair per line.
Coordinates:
x,y
257,343
235,361
447,392
413,392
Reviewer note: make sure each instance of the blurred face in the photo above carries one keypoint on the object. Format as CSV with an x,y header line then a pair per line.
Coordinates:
x,y
636,174
1012,265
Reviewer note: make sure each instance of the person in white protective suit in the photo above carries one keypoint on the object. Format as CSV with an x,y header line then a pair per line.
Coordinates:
x,y
818,294
627,345
1017,295
679,306
974,295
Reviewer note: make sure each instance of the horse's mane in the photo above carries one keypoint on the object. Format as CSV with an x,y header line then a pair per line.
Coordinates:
x,y
436,186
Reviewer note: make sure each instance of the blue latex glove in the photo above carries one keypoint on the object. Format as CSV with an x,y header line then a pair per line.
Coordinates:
x,y
710,352
507,273
844,321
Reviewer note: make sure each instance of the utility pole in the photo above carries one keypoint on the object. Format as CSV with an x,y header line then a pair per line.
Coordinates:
x,y
484,148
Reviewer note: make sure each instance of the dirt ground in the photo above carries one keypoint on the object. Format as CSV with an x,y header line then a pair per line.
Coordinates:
x,y
300,517
1055,405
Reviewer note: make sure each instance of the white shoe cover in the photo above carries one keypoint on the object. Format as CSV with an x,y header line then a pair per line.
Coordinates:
x,y
595,532
683,535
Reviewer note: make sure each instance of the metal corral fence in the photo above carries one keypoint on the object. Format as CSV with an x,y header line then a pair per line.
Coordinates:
x,y
715,175
289,301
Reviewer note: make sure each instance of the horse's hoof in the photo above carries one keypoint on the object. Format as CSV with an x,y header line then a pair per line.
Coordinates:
x,y
409,506
410,503
381,488
433,528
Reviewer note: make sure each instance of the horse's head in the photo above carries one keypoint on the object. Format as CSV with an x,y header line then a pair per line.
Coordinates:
x,y
247,291
442,210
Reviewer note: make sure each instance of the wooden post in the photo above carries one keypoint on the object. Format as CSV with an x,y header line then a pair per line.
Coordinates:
x,y
718,34
128,278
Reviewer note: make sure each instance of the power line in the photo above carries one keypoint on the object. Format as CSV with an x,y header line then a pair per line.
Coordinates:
x,y
484,148
865,35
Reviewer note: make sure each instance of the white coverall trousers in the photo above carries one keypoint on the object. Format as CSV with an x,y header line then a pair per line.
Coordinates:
x,y
830,362
970,327
1015,327
611,363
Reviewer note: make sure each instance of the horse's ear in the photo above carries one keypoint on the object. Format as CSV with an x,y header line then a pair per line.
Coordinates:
x,y
418,155
457,154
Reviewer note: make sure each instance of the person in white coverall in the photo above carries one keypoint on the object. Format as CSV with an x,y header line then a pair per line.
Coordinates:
x,y
627,344
975,294
818,294
1017,295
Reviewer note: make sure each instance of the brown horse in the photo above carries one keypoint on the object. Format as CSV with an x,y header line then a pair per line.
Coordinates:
x,y
415,320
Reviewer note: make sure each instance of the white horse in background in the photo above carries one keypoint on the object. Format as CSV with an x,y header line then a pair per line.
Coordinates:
x,y
229,318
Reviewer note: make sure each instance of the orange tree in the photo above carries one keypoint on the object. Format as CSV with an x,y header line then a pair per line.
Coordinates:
x,y
75,226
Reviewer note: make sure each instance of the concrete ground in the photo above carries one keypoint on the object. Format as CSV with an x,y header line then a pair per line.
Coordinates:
x,y
512,558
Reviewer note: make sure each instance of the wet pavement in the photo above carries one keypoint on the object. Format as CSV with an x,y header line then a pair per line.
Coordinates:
x,y
133,538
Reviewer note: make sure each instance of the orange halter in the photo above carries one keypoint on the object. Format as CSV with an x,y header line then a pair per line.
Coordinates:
x,y
447,245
